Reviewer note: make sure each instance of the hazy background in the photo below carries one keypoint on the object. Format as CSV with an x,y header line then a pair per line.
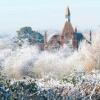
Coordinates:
x,y
47,14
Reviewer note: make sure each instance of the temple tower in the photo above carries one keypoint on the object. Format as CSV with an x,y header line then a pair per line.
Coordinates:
x,y
45,40
90,36
68,30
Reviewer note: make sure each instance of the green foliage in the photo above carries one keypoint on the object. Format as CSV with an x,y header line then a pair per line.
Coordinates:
x,y
19,90
26,33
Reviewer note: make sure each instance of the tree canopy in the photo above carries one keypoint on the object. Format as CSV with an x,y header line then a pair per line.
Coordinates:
x,y
26,33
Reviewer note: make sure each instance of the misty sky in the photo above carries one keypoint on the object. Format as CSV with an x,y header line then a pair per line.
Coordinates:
x,y
47,14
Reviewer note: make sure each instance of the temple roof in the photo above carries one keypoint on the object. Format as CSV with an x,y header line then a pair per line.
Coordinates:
x,y
67,30
54,37
78,36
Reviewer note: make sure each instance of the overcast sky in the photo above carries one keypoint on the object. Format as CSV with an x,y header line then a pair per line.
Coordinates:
x,y
48,14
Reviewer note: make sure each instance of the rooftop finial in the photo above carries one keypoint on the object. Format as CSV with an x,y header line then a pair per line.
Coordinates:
x,y
67,14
